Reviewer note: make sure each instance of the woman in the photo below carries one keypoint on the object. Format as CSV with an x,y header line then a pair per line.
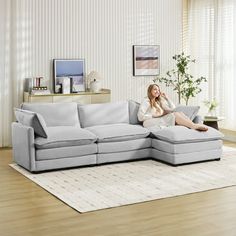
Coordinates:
x,y
157,110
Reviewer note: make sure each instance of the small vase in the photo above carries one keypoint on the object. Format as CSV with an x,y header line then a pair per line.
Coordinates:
x,y
211,113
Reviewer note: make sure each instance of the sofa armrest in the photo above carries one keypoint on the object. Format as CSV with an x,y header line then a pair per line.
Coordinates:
x,y
197,119
23,146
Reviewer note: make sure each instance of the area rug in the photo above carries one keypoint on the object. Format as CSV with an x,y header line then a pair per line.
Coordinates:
x,y
113,185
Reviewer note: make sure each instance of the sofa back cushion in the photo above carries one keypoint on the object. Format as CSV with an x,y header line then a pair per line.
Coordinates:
x,y
133,112
32,119
102,114
189,111
55,114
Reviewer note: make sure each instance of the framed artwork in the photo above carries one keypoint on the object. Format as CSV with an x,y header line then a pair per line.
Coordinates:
x,y
146,60
72,69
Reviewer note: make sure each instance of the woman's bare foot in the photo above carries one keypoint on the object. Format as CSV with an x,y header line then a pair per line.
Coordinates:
x,y
200,127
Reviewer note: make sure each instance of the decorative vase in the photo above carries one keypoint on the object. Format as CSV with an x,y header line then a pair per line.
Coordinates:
x,y
211,113
95,86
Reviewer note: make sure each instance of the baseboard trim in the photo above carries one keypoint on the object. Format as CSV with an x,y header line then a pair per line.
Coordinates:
x,y
229,135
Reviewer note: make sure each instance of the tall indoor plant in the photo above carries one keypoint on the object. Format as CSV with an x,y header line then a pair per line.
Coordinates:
x,y
179,78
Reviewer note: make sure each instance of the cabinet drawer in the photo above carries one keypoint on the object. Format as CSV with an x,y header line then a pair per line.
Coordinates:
x,y
82,99
62,99
100,98
40,99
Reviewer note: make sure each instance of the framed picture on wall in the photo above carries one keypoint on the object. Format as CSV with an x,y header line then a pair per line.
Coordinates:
x,y
72,69
146,60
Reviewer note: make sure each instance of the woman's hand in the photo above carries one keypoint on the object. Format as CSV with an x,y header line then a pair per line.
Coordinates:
x,y
164,95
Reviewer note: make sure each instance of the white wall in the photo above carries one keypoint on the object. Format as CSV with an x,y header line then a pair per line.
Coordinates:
x,y
101,31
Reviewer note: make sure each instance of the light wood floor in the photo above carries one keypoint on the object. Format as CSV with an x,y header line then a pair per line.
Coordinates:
x,y
27,209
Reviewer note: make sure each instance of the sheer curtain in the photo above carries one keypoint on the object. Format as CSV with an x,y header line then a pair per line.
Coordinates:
x,y
212,41
12,57
5,77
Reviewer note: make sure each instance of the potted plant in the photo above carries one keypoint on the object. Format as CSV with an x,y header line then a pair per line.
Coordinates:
x,y
211,105
181,81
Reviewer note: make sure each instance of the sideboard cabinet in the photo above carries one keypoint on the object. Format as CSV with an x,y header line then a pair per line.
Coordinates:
x,y
82,97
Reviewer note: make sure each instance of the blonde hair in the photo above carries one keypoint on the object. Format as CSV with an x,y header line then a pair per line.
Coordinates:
x,y
153,103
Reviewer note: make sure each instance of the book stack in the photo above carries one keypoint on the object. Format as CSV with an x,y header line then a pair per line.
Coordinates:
x,y
210,117
34,87
43,90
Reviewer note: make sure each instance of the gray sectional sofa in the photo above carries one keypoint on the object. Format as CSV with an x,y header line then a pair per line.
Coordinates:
x,y
50,136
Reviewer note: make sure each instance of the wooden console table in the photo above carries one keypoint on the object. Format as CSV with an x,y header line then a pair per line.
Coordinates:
x,y
82,97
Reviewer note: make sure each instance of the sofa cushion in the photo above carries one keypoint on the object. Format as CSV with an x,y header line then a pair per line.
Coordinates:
x,y
55,114
32,119
65,152
103,114
181,134
189,111
124,146
118,132
64,136
133,112
165,146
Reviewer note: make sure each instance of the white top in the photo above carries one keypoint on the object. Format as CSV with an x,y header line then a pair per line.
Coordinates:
x,y
147,112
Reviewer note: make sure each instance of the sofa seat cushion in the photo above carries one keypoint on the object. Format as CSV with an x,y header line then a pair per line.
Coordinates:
x,y
65,152
64,136
177,148
118,132
124,146
181,134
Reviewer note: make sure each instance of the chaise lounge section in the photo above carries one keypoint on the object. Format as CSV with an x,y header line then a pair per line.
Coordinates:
x,y
51,136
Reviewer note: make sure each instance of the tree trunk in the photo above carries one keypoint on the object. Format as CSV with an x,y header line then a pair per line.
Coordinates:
x,y
179,97
179,90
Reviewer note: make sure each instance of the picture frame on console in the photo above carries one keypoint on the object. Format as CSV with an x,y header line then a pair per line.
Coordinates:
x,y
72,70
146,60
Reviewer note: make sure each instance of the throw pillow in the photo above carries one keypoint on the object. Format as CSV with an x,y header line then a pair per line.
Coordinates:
x,y
189,111
133,112
32,119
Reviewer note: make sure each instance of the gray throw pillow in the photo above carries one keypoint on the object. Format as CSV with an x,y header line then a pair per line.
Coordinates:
x,y
189,111
32,119
133,112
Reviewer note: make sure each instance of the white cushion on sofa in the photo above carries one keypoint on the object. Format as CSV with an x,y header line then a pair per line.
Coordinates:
x,y
55,114
32,119
118,132
64,136
181,134
102,114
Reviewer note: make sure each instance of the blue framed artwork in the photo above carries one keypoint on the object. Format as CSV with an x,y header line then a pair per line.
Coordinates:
x,y
74,69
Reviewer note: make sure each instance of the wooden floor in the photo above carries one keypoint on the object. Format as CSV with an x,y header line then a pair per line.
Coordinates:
x,y
27,209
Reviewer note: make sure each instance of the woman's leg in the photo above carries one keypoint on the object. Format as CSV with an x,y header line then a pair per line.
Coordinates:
x,y
182,119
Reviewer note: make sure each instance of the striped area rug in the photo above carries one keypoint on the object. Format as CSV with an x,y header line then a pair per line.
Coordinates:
x,y
100,187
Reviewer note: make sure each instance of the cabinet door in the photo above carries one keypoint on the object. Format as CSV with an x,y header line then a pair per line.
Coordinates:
x,y
34,99
82,99
100,98
62,99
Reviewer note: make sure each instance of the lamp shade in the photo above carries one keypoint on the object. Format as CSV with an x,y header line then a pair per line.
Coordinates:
x,y
93,76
